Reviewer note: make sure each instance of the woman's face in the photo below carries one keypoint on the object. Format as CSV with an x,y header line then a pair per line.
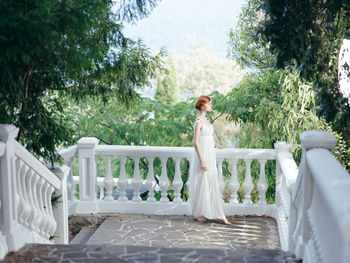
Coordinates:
x,y
208,106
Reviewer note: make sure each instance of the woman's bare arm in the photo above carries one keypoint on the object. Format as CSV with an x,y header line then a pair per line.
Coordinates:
x,y
196,146
196,138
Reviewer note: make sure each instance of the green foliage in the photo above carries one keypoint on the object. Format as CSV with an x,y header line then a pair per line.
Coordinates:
x,y
309,34
273,106
245,47
65,48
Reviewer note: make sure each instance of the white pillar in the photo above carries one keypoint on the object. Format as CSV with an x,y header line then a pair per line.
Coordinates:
x,y
309,140
8,216
87,175
60,212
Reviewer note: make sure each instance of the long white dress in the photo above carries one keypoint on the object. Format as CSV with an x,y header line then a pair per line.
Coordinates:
x,y
206,198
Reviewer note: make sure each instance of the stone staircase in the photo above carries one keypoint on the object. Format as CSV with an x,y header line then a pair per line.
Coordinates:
x,y
140,238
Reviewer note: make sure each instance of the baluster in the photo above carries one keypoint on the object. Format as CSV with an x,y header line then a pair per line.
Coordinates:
x,y
53,223
150,183
164,181
44,197
108,181
221,179
39,191
247,185
20,167
123,181
27,207
38,216
71,186
234,183
136,180
30,191
177,183
278,184
190,174
262,185
102,192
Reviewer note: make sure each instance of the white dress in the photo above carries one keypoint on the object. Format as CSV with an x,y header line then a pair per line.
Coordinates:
x,y
206,198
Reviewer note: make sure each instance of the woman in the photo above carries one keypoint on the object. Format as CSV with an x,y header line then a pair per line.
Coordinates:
x,y
206,198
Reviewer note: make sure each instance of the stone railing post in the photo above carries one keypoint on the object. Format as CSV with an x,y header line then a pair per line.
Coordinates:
x,y
61,210
284,152
8,220
87,174
302,196
69,156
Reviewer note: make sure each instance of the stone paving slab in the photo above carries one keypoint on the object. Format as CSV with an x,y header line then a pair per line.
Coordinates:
x,y
259,232
83,236
123,253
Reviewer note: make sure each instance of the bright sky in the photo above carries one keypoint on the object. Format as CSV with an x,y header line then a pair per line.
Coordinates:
x,y
173,23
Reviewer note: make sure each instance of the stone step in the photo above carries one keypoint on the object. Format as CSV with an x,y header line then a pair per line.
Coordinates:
x,y
83,236
124,253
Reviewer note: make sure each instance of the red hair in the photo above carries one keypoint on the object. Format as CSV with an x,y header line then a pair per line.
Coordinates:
x,y
202,100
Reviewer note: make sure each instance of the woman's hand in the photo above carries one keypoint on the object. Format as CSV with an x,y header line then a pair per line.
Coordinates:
x,y
203,166
220,146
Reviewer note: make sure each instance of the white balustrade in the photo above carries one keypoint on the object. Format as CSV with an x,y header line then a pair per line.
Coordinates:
x,y
165,206
151,182
177,183
136,180
108,181
220,176
319,226
69,155
234,183
248,184
26,188
262,184
286,175
123,181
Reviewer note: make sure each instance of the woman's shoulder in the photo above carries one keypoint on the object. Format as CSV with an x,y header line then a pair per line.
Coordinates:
x,y
197,121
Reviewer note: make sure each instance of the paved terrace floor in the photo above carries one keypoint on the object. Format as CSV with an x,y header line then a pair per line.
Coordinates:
x,y
185,232
166,239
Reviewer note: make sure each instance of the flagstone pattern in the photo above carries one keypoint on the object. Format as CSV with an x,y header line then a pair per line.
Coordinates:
x,y
185,232
142,238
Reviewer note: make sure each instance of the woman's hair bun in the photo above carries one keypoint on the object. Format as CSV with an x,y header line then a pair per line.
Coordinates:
x,y
202,100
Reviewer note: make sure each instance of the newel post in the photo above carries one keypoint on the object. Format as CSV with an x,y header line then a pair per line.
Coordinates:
x,y
61,210
284,151
8,215
87,175
69,156
309,140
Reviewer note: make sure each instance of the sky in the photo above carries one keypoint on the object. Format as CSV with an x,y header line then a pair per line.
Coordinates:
x,y
175,24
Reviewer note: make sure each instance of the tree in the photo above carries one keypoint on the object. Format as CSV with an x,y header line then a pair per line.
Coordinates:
x,y
276,105
167,85
52,49
245,47
309,34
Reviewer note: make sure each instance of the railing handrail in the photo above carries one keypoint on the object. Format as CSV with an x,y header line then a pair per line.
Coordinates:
x,y
36,165
171,151
151,151
334,183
